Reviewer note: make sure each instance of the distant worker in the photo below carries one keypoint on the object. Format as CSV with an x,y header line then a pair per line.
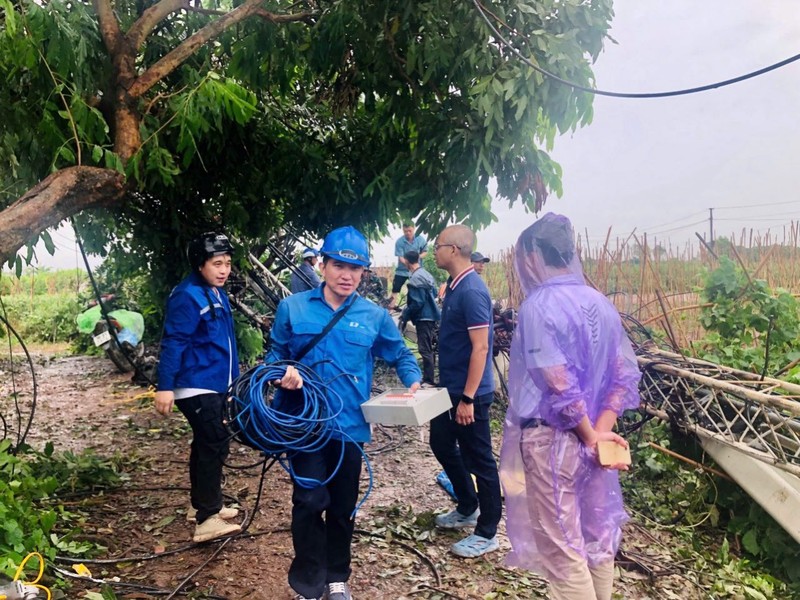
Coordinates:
x,y
198,362
305,277
478,262
572,373
422,310
311,327
460,438
401,273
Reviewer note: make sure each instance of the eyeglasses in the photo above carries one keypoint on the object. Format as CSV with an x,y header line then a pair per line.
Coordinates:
x,y
437,246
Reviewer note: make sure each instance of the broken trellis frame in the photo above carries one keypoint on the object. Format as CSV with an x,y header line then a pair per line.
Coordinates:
x,y
749,425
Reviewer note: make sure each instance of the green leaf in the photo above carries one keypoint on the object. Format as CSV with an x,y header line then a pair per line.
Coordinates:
x,y
48,242
750,542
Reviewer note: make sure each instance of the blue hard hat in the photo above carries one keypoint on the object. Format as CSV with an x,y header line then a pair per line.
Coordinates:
x,y
310,253
346,244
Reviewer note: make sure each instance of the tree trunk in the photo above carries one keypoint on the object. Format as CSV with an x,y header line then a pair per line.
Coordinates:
x,y
61,195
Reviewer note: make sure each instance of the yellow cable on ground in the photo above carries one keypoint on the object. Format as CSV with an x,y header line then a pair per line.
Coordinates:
x,y
150,393
35,583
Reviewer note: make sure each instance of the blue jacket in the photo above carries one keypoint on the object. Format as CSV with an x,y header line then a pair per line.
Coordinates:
x,y
421,300
343,358
198,349
298,284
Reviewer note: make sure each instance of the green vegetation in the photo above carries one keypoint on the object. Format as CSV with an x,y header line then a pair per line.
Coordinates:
x,y
315,115
752,327
749,325
32,517
42,305
43,318
696,506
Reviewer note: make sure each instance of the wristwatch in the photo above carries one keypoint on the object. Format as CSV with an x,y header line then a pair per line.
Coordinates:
x,y
467,399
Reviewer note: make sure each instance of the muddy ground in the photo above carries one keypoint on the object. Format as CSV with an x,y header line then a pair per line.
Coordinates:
x,y
83,403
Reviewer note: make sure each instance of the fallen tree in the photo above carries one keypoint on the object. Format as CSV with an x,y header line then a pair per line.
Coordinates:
x,y
178,114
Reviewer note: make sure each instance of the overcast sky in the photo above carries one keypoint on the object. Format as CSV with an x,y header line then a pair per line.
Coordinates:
x,y
658,165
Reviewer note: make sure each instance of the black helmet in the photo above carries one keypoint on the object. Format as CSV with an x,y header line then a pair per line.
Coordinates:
x,y
206,246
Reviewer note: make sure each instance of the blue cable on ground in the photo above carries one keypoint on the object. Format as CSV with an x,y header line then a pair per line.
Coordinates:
x,y
290,422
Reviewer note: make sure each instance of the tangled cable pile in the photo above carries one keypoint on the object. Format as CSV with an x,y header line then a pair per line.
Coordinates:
x,y
283,423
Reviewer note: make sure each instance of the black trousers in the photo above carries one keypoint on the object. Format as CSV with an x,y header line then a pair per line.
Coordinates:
x,y
322,545
425,333
210,444
467,449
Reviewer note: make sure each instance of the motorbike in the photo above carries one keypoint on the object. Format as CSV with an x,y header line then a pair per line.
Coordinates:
x,y
123,346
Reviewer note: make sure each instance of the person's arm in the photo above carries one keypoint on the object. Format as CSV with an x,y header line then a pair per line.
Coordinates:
x,y
399,252
590,436
414,304
479,338
180,322
623,389
389,346
280,334
423,248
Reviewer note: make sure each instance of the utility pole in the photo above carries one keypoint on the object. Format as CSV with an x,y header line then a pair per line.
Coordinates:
x,y
711,227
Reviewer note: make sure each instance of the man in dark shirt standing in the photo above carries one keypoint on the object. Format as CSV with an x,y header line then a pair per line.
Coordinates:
x,y
460,438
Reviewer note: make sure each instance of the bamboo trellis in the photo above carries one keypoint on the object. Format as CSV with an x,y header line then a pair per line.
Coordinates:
x,y
758,417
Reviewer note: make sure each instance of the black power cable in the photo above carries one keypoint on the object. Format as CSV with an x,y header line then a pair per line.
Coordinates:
x,y
576,86
21,434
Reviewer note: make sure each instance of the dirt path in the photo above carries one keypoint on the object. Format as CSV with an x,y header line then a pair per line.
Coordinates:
x,y
83,403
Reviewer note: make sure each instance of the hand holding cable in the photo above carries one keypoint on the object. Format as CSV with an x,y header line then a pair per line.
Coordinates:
x,y
287,421
291,380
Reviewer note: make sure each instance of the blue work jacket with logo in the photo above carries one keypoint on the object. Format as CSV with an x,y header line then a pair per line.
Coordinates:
x,y
198,349
343,358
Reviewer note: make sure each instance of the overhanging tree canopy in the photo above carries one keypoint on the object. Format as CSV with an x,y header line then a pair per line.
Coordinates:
x,y
177,113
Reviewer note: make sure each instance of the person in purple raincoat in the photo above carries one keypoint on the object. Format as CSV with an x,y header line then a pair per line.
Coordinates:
x,y
572,372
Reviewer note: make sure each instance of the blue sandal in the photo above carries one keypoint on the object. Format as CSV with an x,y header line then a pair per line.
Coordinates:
x,y
474,546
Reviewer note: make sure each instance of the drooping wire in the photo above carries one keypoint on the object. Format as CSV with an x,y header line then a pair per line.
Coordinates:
x,y
22,434
111,329
483,12
283,423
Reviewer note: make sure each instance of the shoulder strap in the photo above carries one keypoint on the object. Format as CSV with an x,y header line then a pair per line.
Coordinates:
x,y
334,319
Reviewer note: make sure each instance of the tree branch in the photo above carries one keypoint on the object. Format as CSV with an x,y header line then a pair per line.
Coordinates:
x,y
62,194
145,24
109,26
180,53
205,11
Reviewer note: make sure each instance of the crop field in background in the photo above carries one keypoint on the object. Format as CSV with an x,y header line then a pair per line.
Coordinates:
x,y
657,283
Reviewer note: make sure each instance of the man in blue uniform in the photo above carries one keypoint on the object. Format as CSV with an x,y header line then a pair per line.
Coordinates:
x,y
198,362
460,438
343,358
305,277
408,242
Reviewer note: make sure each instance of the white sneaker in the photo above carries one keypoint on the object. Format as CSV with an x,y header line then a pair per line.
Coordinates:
x,y
226,512
214,527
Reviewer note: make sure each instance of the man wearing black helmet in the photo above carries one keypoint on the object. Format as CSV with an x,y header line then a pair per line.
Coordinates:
x,y
198,361
309,327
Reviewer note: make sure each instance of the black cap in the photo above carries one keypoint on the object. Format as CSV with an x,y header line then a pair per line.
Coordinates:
x,y
478,257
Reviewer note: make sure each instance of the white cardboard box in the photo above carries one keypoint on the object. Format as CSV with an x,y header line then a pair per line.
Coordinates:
x,y
399,407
